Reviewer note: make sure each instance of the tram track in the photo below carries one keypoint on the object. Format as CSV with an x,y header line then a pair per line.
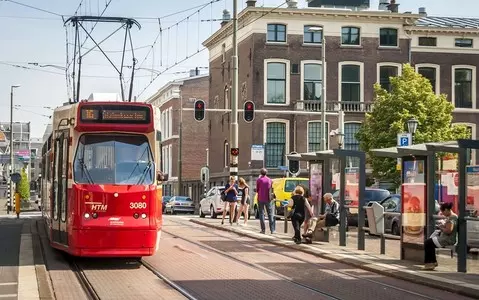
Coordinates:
x,y
277,252
83,279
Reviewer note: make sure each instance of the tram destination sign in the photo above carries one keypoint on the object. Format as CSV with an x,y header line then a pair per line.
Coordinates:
x,y
115,114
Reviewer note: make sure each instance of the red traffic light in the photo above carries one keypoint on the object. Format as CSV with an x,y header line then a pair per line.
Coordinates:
x,y
199,105
199,110
248,113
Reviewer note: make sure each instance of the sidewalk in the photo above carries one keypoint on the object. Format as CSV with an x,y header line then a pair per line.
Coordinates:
x,y
22,270
444,277
32,207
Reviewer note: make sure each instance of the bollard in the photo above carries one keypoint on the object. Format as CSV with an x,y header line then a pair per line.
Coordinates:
x,y
383,244
17,204
285,212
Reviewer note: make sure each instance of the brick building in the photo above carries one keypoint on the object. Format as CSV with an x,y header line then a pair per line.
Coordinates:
x,y
280,69
194,135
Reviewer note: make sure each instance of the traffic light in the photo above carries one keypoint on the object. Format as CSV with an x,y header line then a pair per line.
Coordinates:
x,y
199,110
248,112
293,165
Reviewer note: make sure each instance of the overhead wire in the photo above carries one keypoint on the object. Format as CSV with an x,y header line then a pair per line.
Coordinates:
x,y
34,7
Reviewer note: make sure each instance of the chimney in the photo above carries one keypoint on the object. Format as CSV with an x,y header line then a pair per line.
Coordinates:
x,y
194,72
393,7
422,11
292,3
251,3
226,17
383,5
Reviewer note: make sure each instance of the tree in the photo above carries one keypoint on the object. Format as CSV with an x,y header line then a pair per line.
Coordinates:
x,y
411,96
24,186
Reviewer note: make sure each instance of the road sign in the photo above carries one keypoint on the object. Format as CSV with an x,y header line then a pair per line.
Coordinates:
x,y
16,177
205,175
403,140
257,152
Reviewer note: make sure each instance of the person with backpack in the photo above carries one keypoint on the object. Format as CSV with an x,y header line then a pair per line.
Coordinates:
x,y
230,197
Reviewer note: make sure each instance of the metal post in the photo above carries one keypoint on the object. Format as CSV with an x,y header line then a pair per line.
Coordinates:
x,y
342,210
234,91
383,244
323,95
362,202
285,213
430,184
462,229
9,208
180,146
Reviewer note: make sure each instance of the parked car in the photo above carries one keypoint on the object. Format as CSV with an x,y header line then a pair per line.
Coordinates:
x,y
212,205
165,200
180,204
371,194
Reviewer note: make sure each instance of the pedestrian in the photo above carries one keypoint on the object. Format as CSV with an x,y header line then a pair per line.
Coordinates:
x,y
444,236
231,193
309,214
300,209
265,200
244,208
330,217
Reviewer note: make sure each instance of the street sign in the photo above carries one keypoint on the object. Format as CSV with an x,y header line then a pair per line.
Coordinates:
x,y
257,152
283,168
16,177
403,140
205,175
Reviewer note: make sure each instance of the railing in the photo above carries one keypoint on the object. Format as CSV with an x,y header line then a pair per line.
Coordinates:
x,y
334,106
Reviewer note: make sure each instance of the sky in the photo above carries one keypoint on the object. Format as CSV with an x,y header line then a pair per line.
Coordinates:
x,y
30,35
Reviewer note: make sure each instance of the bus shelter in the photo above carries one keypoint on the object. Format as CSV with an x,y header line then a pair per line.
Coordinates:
x,y
418,175
320,176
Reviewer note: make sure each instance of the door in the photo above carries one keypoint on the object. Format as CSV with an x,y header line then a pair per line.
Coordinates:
x,y
59,200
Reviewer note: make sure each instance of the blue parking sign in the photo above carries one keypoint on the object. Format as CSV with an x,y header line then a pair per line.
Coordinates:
x,y
404,141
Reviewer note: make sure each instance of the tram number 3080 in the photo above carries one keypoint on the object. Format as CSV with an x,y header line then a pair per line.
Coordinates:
x,y
137,205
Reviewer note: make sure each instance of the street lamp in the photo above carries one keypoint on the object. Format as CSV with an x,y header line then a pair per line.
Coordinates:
x,y
340,139
412,125
323,93
11,147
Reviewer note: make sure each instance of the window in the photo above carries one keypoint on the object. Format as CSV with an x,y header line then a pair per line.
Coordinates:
x,y
385,72
277,88
388,37
464,43
429,73
312,82
170,122
312,37
471,130
170,160
350,141
350,36
275,144
226,154
314,136
427,41
463,88
223,52
350,83
276,33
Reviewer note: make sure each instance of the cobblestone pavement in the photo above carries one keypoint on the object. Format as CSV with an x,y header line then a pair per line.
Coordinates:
x,y
214,265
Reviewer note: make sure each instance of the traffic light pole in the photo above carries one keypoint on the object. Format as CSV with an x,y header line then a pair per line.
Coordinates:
x,y
234,161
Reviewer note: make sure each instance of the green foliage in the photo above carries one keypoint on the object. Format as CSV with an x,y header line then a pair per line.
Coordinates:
x,y
411,96
23,187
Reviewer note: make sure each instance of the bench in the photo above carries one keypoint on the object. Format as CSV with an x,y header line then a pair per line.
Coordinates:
x,y
323,235
451,249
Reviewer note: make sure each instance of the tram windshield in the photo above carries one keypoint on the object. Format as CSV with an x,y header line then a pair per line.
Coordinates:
x,y
114,159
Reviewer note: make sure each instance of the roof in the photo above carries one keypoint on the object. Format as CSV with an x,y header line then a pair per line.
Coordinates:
x,y
178,82
448,22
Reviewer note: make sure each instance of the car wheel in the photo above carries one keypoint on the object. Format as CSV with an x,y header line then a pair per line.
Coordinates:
x,y
212,212
202,215
395,229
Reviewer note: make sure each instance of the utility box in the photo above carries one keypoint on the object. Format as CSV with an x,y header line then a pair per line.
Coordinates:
x,y
375,214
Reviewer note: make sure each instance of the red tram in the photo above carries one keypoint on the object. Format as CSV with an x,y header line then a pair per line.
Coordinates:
x,y
101,189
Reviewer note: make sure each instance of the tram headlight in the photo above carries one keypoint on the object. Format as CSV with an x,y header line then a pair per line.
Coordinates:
x,y
143,216
86,215
136,215
94,215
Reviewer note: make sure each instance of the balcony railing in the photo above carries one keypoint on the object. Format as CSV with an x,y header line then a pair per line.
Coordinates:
x,y
333,106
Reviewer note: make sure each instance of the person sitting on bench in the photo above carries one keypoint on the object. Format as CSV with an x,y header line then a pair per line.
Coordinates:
x,y
330,218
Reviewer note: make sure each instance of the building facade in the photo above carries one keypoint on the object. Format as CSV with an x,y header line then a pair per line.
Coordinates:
x,y
280,69
184,140
21,147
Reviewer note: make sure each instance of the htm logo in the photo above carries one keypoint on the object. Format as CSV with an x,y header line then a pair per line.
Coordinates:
x,y
99,207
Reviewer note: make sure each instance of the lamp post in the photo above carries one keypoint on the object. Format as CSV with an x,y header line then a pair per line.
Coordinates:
x,y
412,127
11,148
323,85
340,139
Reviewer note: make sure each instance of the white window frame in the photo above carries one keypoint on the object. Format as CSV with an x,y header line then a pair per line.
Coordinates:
x,y
438,74
328,129
171,122
350,45
474,137
170,160
361,78
474,85
313,44
307,62
387,64
349,162
288,132
265,81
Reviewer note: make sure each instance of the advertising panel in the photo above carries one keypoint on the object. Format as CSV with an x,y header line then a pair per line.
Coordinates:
x,y
316,183
352,189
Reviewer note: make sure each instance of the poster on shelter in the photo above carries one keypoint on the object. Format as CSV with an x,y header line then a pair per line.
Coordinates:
x,y
413,212
352,190
316,183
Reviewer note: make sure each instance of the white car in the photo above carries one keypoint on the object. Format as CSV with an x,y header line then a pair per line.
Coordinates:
x,y
212,204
